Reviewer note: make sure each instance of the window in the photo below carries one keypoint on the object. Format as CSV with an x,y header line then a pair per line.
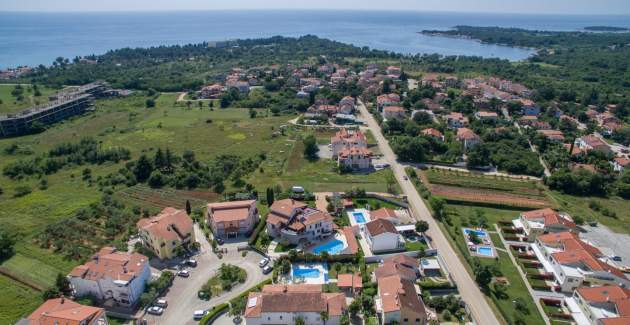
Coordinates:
x,y
406,320
417,319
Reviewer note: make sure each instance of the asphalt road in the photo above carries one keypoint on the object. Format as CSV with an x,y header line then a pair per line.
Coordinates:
x,y
182,296
474,298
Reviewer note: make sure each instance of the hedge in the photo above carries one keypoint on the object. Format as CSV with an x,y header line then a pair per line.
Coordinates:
x,y
428,285
216,310
261,225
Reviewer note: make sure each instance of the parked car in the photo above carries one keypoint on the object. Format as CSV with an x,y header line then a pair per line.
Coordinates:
x,y
263,262
191,262
220,241
616,258
406,178
267,269
184,273
161,303
155,310
198,314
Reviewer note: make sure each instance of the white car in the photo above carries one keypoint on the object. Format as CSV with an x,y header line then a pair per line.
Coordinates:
x,y
263,262
155,310
184,273
161,303
198,314
267,269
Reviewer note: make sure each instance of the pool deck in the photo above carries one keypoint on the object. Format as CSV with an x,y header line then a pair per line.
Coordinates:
x,y
353,222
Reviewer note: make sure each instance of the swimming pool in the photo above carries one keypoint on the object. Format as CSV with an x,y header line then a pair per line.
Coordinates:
x,y
306,273
479,233
485,251
333,247
359,217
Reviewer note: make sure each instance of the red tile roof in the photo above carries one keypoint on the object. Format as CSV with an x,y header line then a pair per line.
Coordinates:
x,y
65,311
349,280
549,217
383,213
108,263
161,226
380,226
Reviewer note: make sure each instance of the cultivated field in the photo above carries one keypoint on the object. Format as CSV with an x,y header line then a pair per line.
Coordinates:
x,y
467,187
145,196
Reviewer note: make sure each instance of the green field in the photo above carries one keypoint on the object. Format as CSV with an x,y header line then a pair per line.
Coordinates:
x,y
10,104
16,301
582,207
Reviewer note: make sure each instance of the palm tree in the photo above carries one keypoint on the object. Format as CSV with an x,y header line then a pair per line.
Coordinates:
x,y
299,320
324,316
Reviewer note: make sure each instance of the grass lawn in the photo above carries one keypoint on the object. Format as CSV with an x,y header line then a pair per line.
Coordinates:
x,y
516,288
16,300
280,248
10,104
580,206
318,176
374,203
415,246
343,268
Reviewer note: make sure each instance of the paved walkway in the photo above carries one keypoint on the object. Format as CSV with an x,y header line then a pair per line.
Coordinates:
x,y
532,293
475,299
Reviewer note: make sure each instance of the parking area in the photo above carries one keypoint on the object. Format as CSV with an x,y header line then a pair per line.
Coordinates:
x,y
609,242
325,151
182,295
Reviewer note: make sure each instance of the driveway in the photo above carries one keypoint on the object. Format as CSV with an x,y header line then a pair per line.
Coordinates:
x,y
182,296
609,242
476,301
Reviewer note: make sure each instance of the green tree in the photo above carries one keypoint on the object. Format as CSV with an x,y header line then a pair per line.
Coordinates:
x,y
188,207
422,226
149,103
299,320
310,147
7,242
143,168
270,196
324,316
437,205
483,276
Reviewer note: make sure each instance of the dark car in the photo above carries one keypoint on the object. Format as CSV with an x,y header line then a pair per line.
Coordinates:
x,y
220,241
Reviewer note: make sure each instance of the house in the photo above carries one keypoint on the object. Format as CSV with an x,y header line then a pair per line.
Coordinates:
x,y
283,304
529,107
620,164
387,100
486,116
456,120
430,267
381,235
592,142
241,86
294,222
467,137
393,112
600,305
167,232
231,219
527,120
402,265
355,158
62,311
537,222
211,91
346,139
433,133
398,302
350,283
552,135
117,277
386,214
575,263
393,71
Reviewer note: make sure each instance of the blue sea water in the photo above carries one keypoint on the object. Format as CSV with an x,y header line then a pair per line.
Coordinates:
x,y
38,38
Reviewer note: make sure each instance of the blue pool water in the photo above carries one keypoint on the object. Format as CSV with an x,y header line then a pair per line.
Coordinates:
x,y
359,217
485,251
479,233
305,273
332,247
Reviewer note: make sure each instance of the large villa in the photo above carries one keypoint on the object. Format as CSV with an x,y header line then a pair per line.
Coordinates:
x,y
296,223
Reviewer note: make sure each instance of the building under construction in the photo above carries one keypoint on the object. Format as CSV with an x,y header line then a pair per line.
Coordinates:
x,y
62,106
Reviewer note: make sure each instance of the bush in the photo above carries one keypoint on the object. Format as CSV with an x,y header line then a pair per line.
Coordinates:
x,y
216,310
21,191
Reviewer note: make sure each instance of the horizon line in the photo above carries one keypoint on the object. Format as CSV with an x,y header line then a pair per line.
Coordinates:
x,y
316,9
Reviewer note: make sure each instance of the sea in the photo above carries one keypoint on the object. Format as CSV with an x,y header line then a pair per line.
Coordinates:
x,y
38,38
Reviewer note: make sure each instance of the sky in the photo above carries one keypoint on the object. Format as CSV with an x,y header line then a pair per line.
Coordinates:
x,y
621,7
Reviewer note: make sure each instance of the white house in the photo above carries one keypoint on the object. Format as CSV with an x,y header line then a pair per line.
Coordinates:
x,y
355,158
468,138
381,235
606,305
345,139
111,275
574,262
620,164
283,304
398,302
537,222
393,112
294,222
